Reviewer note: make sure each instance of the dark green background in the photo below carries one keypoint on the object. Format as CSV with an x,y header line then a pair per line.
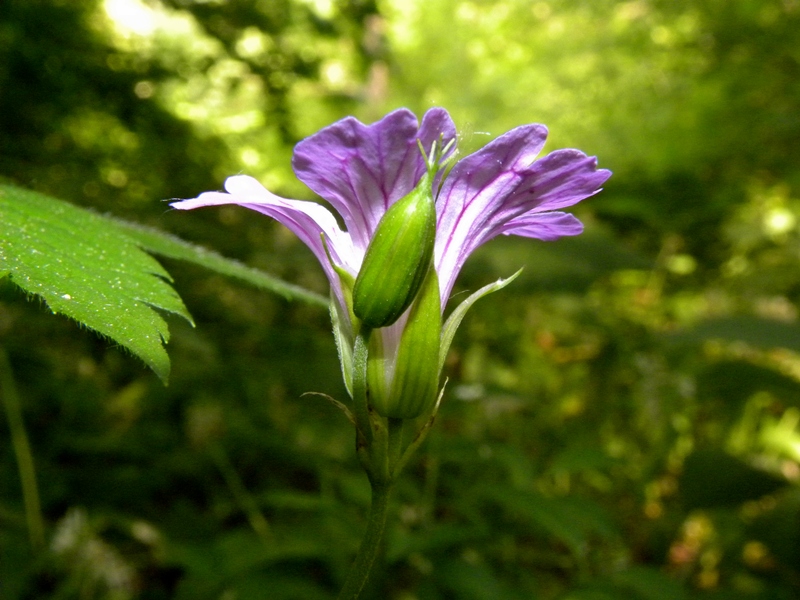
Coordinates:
x,y
621,422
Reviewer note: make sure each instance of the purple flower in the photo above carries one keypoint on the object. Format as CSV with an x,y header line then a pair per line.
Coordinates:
x,y
362,169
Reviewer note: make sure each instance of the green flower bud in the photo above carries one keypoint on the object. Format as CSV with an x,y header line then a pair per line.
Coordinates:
x,y
397,258
406,386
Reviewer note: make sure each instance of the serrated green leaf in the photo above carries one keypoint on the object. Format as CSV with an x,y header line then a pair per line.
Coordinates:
x,y
87,268
170,246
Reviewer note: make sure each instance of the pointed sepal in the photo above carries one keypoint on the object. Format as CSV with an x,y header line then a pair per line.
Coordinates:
x,y
455,318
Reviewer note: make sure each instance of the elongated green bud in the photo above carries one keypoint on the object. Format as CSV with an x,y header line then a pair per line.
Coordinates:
x,y
406,385
397,259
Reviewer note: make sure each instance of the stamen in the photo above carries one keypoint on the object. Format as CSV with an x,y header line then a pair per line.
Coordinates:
x,y
434,160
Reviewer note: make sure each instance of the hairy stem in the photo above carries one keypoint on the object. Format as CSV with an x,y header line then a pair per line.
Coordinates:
x,y
370,544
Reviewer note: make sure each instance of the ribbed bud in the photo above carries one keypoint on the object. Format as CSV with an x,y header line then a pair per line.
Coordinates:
x,y
397,258
406,387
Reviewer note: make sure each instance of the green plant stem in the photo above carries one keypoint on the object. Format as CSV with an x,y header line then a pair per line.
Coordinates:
x,y
370,544
22,451
240,493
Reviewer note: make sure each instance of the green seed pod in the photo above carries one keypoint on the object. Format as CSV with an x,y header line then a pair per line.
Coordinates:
x,y
397,258
405,386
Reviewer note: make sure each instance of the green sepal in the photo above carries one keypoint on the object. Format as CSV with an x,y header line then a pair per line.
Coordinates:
x,y
454,320
344,344
411,388
343,332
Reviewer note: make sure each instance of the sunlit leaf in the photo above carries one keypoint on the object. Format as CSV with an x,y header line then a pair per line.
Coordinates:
x,y
86,268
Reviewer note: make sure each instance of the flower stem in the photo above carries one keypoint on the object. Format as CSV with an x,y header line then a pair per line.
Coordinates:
x,y
370,545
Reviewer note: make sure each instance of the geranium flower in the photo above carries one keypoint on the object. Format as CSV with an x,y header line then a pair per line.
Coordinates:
x,y
361,170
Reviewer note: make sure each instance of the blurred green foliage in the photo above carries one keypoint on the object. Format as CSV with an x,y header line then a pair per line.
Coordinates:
x,y
623,421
